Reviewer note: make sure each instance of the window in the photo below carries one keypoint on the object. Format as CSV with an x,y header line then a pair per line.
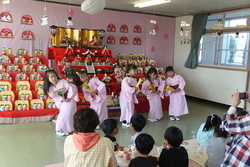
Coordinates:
x,y
229,49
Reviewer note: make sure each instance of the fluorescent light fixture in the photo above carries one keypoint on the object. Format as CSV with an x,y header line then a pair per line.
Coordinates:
x,y
5,2
151,3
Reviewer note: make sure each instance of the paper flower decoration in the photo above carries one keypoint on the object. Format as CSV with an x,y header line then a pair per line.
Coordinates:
x,y
93,6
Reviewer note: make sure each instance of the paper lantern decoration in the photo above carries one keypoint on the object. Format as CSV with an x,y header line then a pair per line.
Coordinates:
x,y
27,34
93,6
26,19
111,40
137,41
123,40
124,28
111,28
137,29
6,33
6,17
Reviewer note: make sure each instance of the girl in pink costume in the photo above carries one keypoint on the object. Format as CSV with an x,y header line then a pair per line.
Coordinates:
x,y
154,94
95,92
65,100
178,103
128,95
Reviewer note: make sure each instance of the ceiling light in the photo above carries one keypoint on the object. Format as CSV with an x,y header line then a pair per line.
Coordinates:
x,y
5,2
151,3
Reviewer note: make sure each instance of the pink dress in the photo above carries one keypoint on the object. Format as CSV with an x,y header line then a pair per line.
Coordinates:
x,y
67,110
127,98
154,99
178,102
98,101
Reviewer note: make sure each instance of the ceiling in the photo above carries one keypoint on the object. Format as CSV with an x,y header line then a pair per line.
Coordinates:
x,y
174,8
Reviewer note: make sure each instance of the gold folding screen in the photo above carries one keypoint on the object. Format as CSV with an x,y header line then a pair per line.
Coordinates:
x,y
79,36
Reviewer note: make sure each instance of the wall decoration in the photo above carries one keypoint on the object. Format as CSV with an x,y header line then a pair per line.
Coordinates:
x,y
137,29
26,19
27,34
111,40
124,28
152,49
6,33
137,41
45,20
111,28
6,17
123,40
165,36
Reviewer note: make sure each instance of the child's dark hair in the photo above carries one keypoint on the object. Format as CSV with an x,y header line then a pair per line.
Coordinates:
x,y
220,132
47,83
85,120
241,113
169,68
78,81
151,71
212,121
144,143
108,126
130,67
174,136
138,122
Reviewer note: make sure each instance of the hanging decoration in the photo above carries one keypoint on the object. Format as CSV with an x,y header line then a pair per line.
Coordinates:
x,y
26,19
137,29
218,30
6,33
111,28
111,40
93,6
27,35
44,17
124,28
184,28
237,35
6,17
123,40
71,13
137,41
69,21
153,28
152,49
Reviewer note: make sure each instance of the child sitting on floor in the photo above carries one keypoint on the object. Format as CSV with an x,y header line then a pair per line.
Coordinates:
x,y
173,155
110,129
144,143
137,123
206,132
218,146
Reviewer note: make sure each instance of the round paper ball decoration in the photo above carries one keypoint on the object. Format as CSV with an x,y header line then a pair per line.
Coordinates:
x,y
93,6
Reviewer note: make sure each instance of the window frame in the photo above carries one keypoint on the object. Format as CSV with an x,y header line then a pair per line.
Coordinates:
x,y
227,30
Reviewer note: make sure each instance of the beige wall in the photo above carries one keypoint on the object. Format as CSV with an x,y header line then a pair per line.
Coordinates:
x,y
206,83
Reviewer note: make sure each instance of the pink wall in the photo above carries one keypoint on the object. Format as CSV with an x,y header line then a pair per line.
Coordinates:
x,y
57,15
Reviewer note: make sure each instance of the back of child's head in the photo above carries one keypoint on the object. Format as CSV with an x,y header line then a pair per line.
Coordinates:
x,y
169,68
212,121
144,143
85,120
241,113
47,83
130,67
174,136
138,122
108,126
219,131
151,71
